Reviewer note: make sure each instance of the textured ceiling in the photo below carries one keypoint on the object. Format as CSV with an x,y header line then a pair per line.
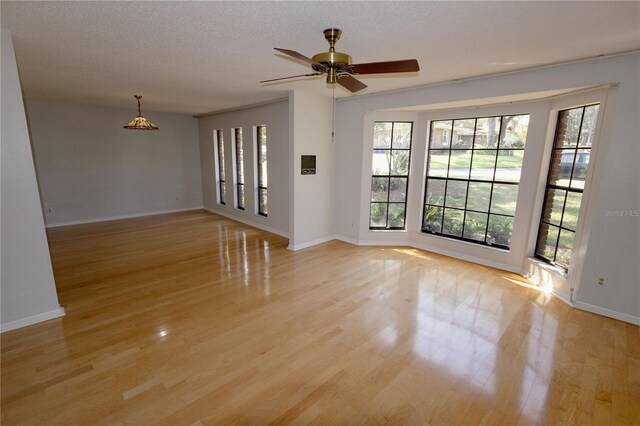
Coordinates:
x,y
196,57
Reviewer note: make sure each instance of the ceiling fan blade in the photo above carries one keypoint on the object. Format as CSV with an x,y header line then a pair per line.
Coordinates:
x,y
407,65
351,84
300,57
293,76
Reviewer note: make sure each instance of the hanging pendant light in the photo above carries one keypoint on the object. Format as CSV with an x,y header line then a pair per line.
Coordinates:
x,y
139,122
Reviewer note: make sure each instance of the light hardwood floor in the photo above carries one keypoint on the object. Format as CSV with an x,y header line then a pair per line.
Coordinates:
x,y
191,318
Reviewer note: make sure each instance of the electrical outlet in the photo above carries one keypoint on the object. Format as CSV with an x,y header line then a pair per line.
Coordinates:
x,y
601,281
49,210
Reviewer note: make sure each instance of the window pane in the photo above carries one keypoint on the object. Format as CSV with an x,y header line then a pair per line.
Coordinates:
x,y
398,190
378,217
456,194
221,156
561,165
509,165
452,224
239,156
588,126
435,191
580,168
432,219
396,215
440,136
484,163
487,132
568,128
382,135
479,195
399,162
262,200
565,247
463,133
547,239
380,164
499,230
379,189
554,203
514,131
241,196
475,226
504,198
572,210
459,164
438,163
402,135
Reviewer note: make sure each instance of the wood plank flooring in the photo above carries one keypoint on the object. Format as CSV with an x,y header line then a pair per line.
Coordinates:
x,y
194,319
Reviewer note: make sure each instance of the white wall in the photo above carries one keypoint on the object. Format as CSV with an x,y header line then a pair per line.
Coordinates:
x,y
275,117
90,168
614,242
312,196
28,290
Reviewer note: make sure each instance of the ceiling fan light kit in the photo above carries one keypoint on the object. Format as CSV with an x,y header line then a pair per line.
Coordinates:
x,y
139,122
339,68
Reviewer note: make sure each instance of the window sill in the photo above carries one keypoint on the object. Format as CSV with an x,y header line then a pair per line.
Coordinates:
x,y
467,243
548,267
388,230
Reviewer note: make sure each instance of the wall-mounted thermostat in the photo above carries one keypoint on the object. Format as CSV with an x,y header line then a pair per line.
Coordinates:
x,y
308,164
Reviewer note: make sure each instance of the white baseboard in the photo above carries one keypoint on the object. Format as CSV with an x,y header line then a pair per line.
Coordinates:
x,y
563,297
607,312
119,217
33,319
347,240
310,243
248,222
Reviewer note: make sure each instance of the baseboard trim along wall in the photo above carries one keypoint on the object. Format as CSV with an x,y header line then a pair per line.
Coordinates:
x,y
311,243
33,319
607,312
118,217
247,222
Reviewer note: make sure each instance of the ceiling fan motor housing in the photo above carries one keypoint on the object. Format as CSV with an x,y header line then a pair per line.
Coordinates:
x,y
337,62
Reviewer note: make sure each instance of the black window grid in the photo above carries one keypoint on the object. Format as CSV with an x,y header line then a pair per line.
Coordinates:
x,y
221,170
492,181
262,189
239,169
389,177
567,188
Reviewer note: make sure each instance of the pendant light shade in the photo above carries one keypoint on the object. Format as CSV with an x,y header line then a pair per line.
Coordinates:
x,y
139,122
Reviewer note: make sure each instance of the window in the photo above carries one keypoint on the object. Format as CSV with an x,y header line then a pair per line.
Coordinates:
x,y
473,171
237,132
261,132
219,153
390,174
565,184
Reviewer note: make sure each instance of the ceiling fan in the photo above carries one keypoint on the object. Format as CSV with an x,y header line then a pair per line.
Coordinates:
x,y
339,68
